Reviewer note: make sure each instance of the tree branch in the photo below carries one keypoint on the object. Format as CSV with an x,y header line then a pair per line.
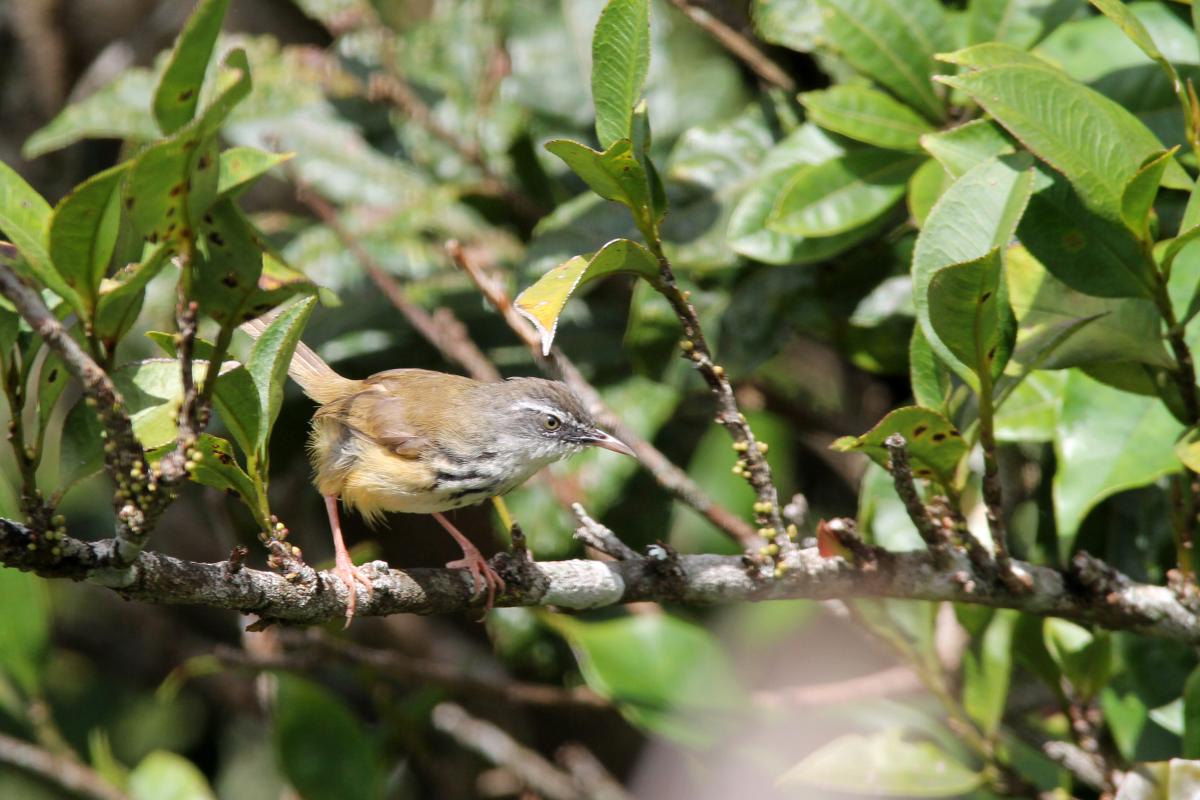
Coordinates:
x,y
63,771
1089,591
737,44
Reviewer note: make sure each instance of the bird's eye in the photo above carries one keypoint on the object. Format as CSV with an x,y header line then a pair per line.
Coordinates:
x,y
551,422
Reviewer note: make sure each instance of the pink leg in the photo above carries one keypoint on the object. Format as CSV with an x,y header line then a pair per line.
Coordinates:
x,y
482,573
345,569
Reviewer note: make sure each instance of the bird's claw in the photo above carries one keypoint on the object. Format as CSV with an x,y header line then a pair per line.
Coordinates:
x,y
351,575
482,576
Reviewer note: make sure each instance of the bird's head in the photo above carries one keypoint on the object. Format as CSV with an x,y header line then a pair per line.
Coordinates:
x,y
546,422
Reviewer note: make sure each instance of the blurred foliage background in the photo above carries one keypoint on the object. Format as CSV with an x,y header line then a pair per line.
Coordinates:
x,y
420,121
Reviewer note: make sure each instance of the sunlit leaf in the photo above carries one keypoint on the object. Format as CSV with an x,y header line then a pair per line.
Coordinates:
x,y
620,60
934,445
178,92
867,115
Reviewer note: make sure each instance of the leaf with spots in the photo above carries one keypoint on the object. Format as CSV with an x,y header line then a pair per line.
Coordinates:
x,y
51,382
178,91
620,60
172,184
229,272
970,313
83,233
543,302
935,447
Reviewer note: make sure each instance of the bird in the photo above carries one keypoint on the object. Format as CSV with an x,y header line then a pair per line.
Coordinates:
x,y
425,442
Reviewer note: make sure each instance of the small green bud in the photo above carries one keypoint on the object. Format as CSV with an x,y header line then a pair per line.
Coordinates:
x,y
740,447
686,345
772,550
718,370
793,532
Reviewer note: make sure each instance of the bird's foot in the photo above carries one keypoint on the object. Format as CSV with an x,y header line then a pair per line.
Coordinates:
x,y
351,576
482,574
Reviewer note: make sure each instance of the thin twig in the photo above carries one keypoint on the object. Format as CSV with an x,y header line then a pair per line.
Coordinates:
x,y
669,476
502,750
933,536
64,771
739,45
591,776
600,537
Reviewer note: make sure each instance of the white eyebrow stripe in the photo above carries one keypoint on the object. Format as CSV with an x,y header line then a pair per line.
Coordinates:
x,y
529,405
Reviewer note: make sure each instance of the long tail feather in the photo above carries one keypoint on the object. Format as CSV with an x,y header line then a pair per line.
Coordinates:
x,y
316,378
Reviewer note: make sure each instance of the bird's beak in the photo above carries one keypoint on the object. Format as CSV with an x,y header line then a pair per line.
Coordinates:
x,y
610,442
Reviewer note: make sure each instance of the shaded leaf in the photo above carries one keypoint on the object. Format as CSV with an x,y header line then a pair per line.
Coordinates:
x,y
987,669
1106,441
25,221
1029,412
934,445
543,302
1019,22
1137,200
620,61
120,298
323,749
1085,658
25,634
665,674
615,174
970,314
929,375
927,184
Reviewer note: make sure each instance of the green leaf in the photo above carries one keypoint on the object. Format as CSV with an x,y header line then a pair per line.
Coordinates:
x,y
1030,411
1086,659
882,764
893,42
172,184
620,60
120,298
1019,22
269,360
83,233
615,175
1099,146
749,235
1088,252
987,669
168,776
977,213
228,280
927,184
25,634
1137,200
1106,441
25,220
867,115
237,401
52,380
323,749
241,166
934,445
1116,329
664,674
120,110
842,194
1119,12
543,302
178,93
795,24
929,375
1191,716
970,314
967,146
994,54
80,452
